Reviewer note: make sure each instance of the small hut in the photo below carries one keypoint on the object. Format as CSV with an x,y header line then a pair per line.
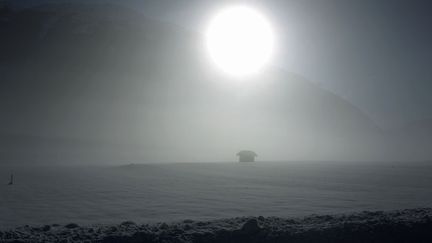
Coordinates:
x,y
246,156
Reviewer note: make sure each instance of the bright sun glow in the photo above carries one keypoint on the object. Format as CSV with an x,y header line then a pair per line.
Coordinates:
x,y
240,41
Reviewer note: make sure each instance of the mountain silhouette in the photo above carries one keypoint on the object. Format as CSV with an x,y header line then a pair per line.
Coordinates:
x,y
138,89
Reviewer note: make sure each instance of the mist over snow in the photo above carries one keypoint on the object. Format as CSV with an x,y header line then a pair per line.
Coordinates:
x,y
118,124
89,195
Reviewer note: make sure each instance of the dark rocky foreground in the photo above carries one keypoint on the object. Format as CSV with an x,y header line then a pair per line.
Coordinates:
x,y
413,225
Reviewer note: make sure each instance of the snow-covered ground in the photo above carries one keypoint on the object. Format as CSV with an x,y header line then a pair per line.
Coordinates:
x,y
412,225
207,191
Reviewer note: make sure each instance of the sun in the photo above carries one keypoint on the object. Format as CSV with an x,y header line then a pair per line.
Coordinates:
x,y
240,41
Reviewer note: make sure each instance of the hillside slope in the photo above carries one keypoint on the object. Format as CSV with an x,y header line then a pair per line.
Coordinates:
x,y
108,74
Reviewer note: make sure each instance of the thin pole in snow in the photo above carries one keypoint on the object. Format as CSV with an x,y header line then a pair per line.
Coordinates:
x,y
11,180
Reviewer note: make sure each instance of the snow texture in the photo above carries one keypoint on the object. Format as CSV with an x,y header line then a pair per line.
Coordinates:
x,y
207,191
414,225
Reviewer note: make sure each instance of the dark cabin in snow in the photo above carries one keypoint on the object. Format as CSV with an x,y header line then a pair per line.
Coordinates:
x,y
246,156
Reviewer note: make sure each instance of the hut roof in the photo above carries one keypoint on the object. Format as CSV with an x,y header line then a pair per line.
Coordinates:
x,y
246,152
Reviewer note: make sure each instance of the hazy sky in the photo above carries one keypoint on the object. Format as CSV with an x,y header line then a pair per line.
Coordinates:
x,y
376,54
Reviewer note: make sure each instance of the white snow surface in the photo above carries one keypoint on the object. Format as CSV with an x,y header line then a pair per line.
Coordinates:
x,y
148,193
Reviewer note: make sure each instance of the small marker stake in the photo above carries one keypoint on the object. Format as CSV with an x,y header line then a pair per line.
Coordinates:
x,y
11,180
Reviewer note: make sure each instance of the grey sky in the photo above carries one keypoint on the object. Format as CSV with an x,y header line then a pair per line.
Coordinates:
x,y
376,54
